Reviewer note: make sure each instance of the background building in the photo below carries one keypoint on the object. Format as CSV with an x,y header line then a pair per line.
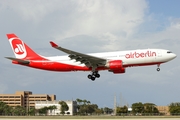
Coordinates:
x,y
163,109
25,98
71,104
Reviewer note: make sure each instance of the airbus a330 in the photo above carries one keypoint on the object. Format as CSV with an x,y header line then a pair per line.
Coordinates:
x,y
115,62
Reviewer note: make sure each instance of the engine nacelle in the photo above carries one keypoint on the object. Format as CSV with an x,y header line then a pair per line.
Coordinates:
x,y
115,66
123,70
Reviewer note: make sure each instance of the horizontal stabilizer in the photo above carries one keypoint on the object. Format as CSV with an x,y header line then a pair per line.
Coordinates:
x,y
18,60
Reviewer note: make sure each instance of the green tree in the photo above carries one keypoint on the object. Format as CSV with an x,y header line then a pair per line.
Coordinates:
x,y
91,108
150,108
108,110
2,106
32,111
5,109
19,110
121,110
43,111
54,108
84,101
98,111
88,109
82,109
50,108
137,108
85,107
79,101
174,108
88,102
64,107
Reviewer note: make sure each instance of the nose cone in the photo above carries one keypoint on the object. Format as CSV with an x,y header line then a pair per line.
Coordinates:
x,y
174,56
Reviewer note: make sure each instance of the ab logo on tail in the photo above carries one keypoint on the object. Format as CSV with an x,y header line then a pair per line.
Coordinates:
x,y
18,48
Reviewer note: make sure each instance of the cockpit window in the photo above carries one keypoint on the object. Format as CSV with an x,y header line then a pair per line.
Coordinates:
x,y
169,52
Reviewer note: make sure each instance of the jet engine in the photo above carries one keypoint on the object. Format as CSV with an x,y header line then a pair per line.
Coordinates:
x,y
115,66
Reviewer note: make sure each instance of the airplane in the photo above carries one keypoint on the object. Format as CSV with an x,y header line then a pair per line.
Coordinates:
x,y
115,62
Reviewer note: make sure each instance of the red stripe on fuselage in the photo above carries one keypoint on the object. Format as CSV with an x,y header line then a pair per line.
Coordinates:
x,y
56,66
61,67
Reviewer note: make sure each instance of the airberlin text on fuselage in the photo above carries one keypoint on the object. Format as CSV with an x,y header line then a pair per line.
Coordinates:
x,y
140,55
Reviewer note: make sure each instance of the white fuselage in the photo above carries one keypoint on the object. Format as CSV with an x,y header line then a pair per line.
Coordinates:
x,y
129,58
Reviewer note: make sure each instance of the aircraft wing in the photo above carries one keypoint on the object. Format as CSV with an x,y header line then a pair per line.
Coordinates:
x,y
88,60
18,60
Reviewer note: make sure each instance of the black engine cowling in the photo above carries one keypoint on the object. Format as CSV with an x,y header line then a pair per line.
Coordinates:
x,y
115,66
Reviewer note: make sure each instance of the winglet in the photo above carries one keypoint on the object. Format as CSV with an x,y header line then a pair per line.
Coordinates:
x,y
53,44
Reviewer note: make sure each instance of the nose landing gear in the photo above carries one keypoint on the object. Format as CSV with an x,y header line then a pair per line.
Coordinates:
x,y
158,69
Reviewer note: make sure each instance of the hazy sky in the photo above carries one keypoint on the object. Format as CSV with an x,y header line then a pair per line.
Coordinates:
x,y
89,26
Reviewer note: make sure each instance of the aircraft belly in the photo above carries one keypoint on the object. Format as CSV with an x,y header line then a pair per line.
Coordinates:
x,y
139,62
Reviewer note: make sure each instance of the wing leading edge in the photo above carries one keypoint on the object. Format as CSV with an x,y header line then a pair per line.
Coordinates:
x,y
88,60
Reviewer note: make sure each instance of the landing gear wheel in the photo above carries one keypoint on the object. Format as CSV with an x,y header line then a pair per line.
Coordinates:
x,y
89,76
93,78
94,75
97,75
158,69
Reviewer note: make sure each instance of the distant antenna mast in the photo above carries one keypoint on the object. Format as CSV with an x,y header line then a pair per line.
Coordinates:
x,y
115,106
120,104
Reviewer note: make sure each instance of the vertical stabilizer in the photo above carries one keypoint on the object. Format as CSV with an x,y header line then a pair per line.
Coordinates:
x,y
20,49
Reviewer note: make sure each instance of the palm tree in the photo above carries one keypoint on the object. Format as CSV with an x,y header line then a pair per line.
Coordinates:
x,y
54,108
64,107
84,101
2,106
79,101
19,110
88,102
43,111
32,111
50,108
5,109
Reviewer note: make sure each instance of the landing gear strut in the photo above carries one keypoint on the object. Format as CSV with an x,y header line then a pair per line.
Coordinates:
x,y
94,75
158,69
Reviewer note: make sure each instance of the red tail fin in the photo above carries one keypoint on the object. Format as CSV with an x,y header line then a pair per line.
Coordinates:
x,y
20,49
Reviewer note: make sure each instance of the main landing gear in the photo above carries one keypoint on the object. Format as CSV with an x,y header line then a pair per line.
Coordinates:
x,y
94,75
158,69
